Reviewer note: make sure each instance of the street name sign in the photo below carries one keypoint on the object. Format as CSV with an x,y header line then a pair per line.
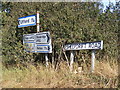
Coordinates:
x,y
27,21
38,42
83,46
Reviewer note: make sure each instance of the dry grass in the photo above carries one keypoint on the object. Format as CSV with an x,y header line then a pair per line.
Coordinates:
x,y
105,76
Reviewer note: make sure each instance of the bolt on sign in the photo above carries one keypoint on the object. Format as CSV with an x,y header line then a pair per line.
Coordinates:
x,y
27,21
83,46
38,42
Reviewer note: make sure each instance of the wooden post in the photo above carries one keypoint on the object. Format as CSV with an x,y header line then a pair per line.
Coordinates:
x,y
71,60
93,61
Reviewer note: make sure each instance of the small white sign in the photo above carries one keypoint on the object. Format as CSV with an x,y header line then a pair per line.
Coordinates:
x,y
43,37
29,47
82,46
27,21
44,48
29,38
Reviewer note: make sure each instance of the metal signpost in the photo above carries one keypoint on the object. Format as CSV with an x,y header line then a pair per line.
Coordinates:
x,y
39,42
71,60
83,46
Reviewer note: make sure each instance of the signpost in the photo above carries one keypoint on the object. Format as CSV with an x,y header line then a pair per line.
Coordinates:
x,y
71,60
83,46
39,42
27,21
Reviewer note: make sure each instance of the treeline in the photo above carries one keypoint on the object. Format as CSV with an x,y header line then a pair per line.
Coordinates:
x,y
67,22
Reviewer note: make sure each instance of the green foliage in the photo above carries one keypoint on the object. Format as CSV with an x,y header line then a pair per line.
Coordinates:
x,y
67,22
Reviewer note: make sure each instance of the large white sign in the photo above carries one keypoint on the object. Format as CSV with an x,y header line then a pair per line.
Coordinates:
x,y
27,21
82,46
38,42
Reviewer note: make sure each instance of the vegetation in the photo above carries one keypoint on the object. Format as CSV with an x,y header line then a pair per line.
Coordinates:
x,y
105,76
67,23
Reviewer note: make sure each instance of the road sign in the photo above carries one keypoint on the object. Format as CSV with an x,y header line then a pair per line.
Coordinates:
x,y
29,38
43,37
44,48
27,21
38,42
29,47
82,46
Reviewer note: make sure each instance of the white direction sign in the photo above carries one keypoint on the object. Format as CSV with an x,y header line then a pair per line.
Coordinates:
x,y
43,38
29,47
27,21
44,48
38,42
83,46
29,38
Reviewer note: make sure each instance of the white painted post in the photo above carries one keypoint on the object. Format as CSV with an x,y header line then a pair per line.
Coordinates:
x,y
46,58
38,25
71,60
38,30
93,61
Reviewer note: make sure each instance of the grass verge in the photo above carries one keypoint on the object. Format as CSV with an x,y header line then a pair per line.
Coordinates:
x,y
105,76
